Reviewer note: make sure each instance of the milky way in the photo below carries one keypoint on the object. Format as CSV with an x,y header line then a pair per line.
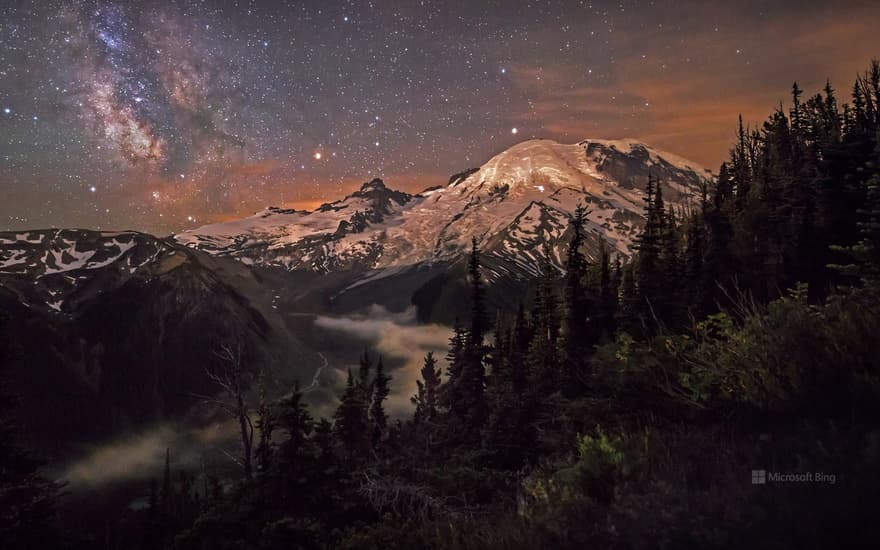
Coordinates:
x,y
164,115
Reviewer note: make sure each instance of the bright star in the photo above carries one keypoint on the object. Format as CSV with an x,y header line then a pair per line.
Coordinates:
x,y
318,155
7,110
513,130
93,189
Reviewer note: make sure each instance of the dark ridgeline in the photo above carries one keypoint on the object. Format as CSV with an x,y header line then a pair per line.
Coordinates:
x,y
628,405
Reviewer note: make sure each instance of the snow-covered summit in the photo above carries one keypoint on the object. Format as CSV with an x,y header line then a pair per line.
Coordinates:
x,y
518,197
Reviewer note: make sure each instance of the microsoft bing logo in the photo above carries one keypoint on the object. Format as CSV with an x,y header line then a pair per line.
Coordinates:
x,y
759,477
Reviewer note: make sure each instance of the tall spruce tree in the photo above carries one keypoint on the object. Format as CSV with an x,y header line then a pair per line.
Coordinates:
x,y
378,416
578,336
471,403
426,398
350,422
543,359
505,431
294,419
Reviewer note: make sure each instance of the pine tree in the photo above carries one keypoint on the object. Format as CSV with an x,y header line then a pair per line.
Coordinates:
x,y
366,364
520,341
455,359
378,417
543,360
296,423
866,253
324,441
667,302
608,289
628,313
351,425
578,338
426,400
265,425
469,403
478,305
505,430
649,280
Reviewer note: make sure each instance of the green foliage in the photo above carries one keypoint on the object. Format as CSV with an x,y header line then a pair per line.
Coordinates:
x,y
603,462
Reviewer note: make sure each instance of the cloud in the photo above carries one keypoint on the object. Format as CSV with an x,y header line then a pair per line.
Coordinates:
x,y
400,337
142,456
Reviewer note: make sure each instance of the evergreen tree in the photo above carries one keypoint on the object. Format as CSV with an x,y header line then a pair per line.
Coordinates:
x,y
350,423
455,359
426,400
296,423
478,297
265,425
603,286
649,245
505,431
365,365
520,341
578,338
378,417
543,360
469,401
324,441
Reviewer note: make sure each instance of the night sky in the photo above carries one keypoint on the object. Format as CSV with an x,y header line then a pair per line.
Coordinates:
x,y
159,116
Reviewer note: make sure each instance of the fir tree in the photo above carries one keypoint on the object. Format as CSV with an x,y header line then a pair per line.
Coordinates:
x,y
478,305
296,423
365,365
351,425
455,359
578,338
469,404
543,360
378,417
265,425
505,432
426,400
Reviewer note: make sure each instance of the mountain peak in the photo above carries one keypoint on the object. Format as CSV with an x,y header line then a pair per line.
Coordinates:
x,y
542,166
376,184
518,199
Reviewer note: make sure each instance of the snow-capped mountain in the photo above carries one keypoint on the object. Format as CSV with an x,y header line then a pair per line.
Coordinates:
x,y
512,204
61,267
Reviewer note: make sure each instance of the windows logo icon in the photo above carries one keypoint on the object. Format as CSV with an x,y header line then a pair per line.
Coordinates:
x,y
759,477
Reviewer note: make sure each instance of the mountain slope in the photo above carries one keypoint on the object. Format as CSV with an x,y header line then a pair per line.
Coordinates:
x,y
119,329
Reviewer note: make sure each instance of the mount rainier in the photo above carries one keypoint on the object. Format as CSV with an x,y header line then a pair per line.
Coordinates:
x,y
513,204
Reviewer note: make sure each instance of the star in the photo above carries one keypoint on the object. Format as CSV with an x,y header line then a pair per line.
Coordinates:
x,y
514,131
